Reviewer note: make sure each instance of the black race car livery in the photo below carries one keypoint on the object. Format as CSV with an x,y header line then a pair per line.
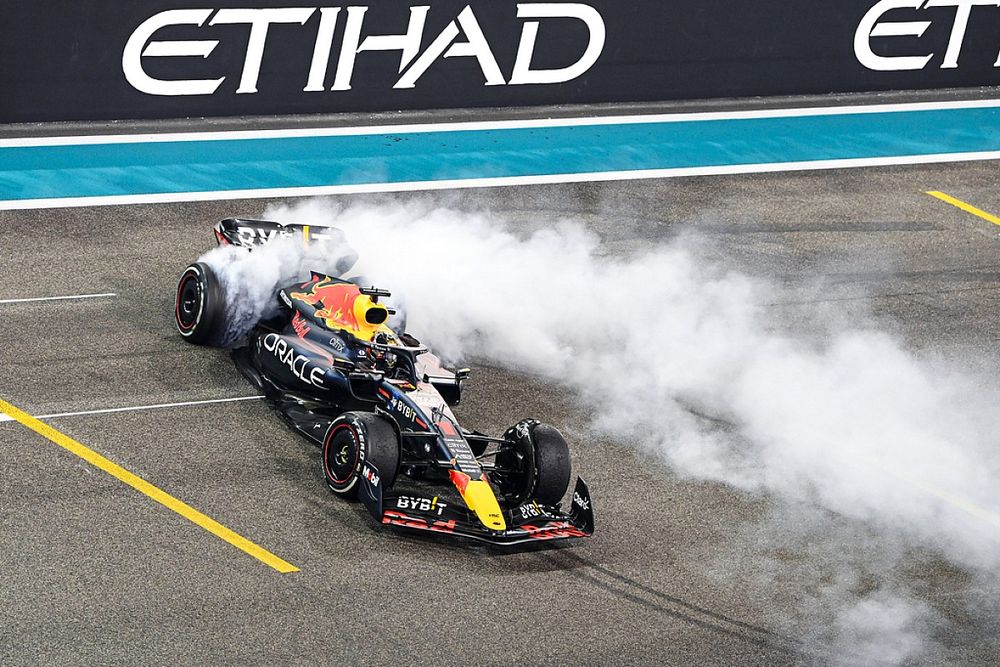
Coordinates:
x,y
379,404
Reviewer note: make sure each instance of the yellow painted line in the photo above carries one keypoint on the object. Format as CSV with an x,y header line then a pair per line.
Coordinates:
x,y
943,495
968,208
961,503
141,485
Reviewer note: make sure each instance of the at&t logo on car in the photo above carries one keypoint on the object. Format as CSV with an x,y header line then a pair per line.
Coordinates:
x,y
419,48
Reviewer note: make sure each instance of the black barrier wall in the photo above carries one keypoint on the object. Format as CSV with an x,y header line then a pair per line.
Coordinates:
x,y
131,59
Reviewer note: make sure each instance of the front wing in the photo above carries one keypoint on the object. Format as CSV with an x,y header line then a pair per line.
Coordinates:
x,y
528,523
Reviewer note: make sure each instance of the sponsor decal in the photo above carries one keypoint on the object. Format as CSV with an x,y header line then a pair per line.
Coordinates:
x,y
421,504
300,325
253,236
466,460
333,301
402,408
337,344
370,475
580,501
338,35
428,397
531,511
300,366
523,428
256,236
881,23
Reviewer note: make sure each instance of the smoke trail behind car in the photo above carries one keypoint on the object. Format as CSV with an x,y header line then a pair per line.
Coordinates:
x,y
686,358
856,423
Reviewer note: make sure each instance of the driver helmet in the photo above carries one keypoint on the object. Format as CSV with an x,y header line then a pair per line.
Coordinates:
x,y
381,355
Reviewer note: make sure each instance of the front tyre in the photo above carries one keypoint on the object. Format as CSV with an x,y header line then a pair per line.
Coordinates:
x,y
532,464
200,306
352,439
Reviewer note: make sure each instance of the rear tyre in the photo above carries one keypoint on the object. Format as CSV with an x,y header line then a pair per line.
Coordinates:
x,y
200,306
533,464
352,439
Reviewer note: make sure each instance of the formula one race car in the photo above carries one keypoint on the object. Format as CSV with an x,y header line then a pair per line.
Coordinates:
x,y
378,404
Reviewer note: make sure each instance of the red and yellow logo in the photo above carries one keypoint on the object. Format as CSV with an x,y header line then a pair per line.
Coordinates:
x,y
342,306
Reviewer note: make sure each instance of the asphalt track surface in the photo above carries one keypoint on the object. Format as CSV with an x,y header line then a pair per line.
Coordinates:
x,y
93,572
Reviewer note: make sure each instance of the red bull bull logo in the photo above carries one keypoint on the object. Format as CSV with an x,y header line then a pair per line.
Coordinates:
x,y
342,306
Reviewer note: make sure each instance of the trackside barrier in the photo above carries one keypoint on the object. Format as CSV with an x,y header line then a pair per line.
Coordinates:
x,y
144,59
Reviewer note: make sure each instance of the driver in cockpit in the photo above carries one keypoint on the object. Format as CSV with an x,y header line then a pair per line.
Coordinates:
x,y
382,357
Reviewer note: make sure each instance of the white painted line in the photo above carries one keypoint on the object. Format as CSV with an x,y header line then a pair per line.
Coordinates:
x,y
60,298
547,179
681,117
158,406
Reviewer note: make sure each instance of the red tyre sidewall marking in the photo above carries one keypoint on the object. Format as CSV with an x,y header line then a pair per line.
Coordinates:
x,y
357,453
190,274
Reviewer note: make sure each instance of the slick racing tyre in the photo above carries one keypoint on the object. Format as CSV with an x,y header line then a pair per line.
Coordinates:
x,y
353,438
532,464
200,306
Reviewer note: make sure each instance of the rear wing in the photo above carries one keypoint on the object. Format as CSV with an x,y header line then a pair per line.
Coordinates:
x,y
248,233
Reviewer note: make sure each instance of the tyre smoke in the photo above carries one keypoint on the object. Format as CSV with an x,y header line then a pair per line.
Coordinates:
x,y
687,359
250,280
690,360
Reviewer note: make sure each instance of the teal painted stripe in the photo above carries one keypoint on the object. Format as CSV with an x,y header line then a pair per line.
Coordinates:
x,y
267,163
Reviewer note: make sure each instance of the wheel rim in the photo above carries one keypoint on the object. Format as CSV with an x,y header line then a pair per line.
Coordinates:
x,y
340,456
188,303
512,475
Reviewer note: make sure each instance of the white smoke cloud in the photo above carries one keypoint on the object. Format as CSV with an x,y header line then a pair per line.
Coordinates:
x,y
884,628
250,279
855,422
689,360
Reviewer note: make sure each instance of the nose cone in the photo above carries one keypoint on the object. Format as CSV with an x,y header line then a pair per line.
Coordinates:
x,y
480,498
